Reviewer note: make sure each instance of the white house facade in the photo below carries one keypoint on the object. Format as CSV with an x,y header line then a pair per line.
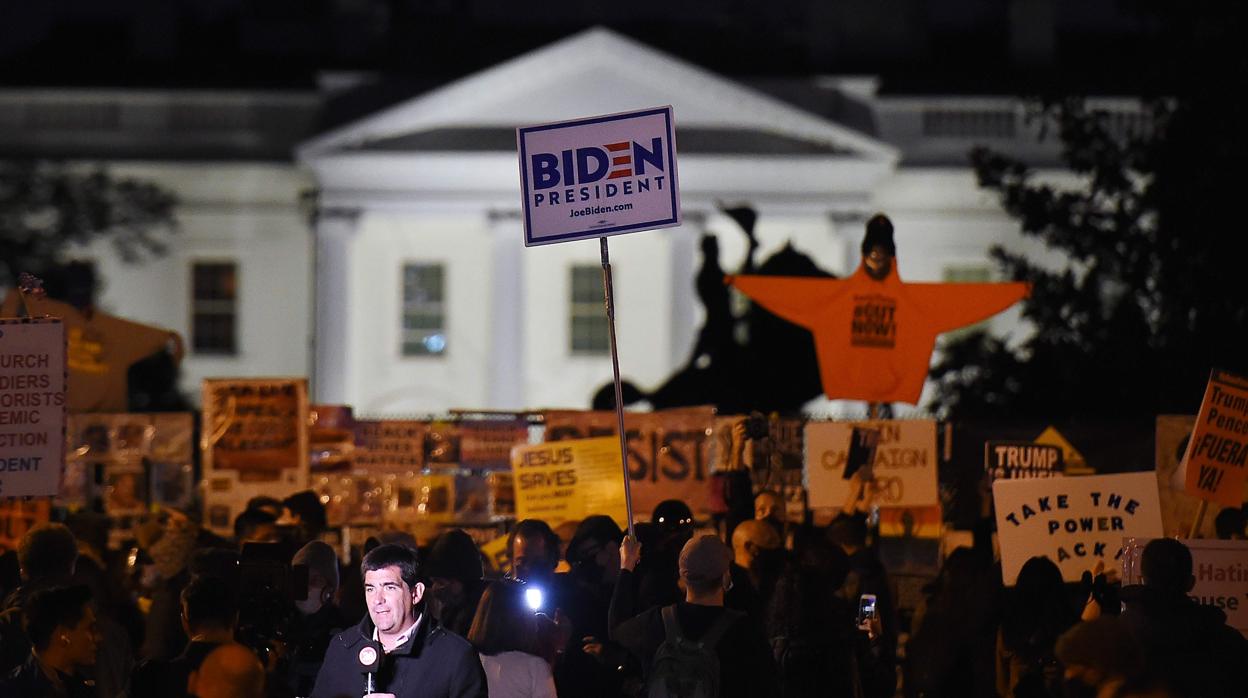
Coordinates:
x,y
384,258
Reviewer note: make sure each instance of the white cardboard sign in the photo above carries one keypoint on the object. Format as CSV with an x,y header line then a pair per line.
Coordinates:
x,y
904,467
599,176
32,406
1073,521
1221,571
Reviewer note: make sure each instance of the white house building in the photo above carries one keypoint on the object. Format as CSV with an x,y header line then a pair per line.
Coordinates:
x,y
402,285
427,299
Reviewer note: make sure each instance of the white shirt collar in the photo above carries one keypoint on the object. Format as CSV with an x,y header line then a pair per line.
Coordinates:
x,y
403,636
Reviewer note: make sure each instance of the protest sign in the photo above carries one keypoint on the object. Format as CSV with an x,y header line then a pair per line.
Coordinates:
x,y
1073,521
1217,453
485,444
257,428
254,442
1178,508
32,406
599,176
667,451
390,445
19,516
1221,571
1016,460
569,480
904,467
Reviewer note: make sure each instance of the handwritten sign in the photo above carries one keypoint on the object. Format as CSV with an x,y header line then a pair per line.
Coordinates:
x,y
569,480
1217,455
1221,571
32,406
257,428
904,467
1073,521
1022,459
390,445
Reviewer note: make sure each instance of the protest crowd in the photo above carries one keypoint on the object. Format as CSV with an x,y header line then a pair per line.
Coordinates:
x,y
747,605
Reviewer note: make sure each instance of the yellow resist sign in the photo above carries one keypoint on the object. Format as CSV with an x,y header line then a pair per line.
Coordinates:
x,y
1218,449
569,480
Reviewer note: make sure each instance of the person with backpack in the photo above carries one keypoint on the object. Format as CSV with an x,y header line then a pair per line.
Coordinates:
x,y
694,648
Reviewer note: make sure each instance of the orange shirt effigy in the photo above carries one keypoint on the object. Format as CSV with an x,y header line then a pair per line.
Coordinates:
x,y
874,339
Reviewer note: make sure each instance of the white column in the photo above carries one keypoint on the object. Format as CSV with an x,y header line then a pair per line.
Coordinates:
x,y
685,263
507,309
331,374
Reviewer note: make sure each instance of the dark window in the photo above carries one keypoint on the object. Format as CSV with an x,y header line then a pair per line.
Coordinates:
x,y
214,308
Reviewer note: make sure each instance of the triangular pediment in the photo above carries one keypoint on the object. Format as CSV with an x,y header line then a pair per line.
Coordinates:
x,y
597,71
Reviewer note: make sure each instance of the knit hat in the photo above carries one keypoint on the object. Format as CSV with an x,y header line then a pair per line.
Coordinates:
x,y
454,555
879,232
704,559
319,557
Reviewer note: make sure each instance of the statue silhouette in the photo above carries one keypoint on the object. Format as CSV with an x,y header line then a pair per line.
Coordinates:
x,y
773,368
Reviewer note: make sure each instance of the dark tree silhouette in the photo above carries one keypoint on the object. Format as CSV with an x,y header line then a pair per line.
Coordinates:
x,y
46,207
1155,293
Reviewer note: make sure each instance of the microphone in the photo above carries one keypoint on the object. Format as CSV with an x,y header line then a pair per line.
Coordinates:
x,y
370,661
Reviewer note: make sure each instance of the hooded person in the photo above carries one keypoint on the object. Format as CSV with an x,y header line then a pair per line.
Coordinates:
x,y
319,616
455,575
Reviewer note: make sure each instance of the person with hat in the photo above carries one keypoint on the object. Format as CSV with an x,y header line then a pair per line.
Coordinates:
x,y
455,580
681,642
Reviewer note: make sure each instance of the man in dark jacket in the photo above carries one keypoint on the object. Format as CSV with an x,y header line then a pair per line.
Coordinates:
x,y
1188,644
746,667
420,660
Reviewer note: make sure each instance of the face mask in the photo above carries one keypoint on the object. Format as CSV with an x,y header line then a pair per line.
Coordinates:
x,y
312,604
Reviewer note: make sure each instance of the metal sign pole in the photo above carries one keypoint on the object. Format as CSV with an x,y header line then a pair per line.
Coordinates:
x,y
615,367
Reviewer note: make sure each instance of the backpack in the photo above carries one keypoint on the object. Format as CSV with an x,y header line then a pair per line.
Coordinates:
x,y
683,668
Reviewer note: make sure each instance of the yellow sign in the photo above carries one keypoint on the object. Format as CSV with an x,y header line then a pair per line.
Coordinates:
x,y
569,480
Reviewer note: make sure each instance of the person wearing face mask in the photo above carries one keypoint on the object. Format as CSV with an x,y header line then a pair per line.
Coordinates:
x,y
61,625
757,560
319,617
455,580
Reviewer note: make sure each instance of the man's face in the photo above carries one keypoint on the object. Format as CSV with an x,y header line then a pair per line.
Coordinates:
x,y
391,602
878,262
82,639
529,558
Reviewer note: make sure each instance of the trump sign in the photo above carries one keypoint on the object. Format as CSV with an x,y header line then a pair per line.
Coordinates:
x,y
599,176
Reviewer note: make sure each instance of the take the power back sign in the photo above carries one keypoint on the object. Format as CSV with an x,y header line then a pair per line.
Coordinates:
x,y
599,176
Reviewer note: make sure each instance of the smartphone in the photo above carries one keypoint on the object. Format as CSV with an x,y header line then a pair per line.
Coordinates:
x,y
866,609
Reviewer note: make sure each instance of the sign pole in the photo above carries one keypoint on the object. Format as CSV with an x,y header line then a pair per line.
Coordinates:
x,y
1200,516
609,301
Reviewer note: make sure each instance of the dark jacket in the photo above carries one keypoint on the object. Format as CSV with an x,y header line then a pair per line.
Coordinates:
x,y
28,681
745,662
1189,645
433,663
